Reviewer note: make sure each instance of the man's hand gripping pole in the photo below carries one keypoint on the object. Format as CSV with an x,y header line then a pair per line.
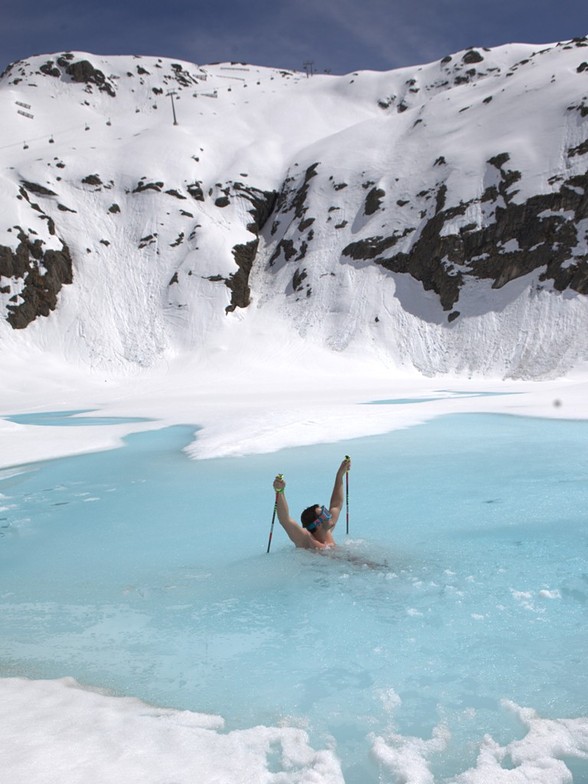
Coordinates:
x,y
269,543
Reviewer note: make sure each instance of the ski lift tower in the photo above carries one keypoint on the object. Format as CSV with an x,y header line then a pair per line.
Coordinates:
x,y
171,94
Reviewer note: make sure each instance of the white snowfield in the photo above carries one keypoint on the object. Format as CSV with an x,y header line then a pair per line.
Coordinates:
x,y
151,211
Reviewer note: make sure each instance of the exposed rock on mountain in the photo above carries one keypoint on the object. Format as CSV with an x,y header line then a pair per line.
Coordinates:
x,y
539,234
36,275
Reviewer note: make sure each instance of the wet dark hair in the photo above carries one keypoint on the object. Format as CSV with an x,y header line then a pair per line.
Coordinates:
x,y
309,515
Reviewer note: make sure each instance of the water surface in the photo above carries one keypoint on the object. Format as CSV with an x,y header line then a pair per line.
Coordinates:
x,y
463,582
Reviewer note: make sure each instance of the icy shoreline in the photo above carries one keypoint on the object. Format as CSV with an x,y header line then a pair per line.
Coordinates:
x,y
240,408
57,730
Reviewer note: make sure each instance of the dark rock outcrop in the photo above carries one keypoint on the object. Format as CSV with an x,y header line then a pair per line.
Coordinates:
x,y
92,179
238,283
39,190
195,191
519,238
262,204
291,204
373,201
40,274
83,71
148,186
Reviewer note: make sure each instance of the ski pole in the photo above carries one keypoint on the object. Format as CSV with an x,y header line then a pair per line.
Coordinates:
x,y
269,543
347,498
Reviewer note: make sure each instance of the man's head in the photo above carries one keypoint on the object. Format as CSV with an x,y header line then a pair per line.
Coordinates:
x,y
314,516
310,514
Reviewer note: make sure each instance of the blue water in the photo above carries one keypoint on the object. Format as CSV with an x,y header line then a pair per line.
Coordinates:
x,y
69,419
464,581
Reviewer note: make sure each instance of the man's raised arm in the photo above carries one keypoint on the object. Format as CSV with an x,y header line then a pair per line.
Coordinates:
x,y
337,496
296,533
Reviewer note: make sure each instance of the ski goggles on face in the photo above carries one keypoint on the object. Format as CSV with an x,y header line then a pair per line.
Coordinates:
x,y
323,517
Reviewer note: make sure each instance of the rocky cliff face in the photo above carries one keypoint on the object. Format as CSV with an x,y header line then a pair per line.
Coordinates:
x,y
545,234
424,201
32,274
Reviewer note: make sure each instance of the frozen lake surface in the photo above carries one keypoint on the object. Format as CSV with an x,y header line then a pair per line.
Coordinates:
x,y
459,598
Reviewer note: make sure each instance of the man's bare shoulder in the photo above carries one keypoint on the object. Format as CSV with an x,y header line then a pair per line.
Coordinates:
x,y
303,538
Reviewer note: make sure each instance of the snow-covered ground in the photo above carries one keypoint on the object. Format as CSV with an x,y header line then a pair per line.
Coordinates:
x,y
245,405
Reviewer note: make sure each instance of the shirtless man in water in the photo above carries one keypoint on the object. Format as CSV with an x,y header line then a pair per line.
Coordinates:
x,y
317,522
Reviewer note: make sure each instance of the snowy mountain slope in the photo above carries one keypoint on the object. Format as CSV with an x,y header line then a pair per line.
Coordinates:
x,y
435,217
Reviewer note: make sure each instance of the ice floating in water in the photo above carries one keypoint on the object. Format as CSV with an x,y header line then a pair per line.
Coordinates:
x,y
538,757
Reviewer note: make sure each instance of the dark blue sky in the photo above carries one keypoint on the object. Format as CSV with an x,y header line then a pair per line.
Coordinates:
x,y
338,35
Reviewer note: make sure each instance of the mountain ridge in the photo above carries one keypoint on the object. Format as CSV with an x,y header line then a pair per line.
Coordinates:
x,y
433,216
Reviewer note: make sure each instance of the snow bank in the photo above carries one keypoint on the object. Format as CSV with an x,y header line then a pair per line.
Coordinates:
x,y
58,731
